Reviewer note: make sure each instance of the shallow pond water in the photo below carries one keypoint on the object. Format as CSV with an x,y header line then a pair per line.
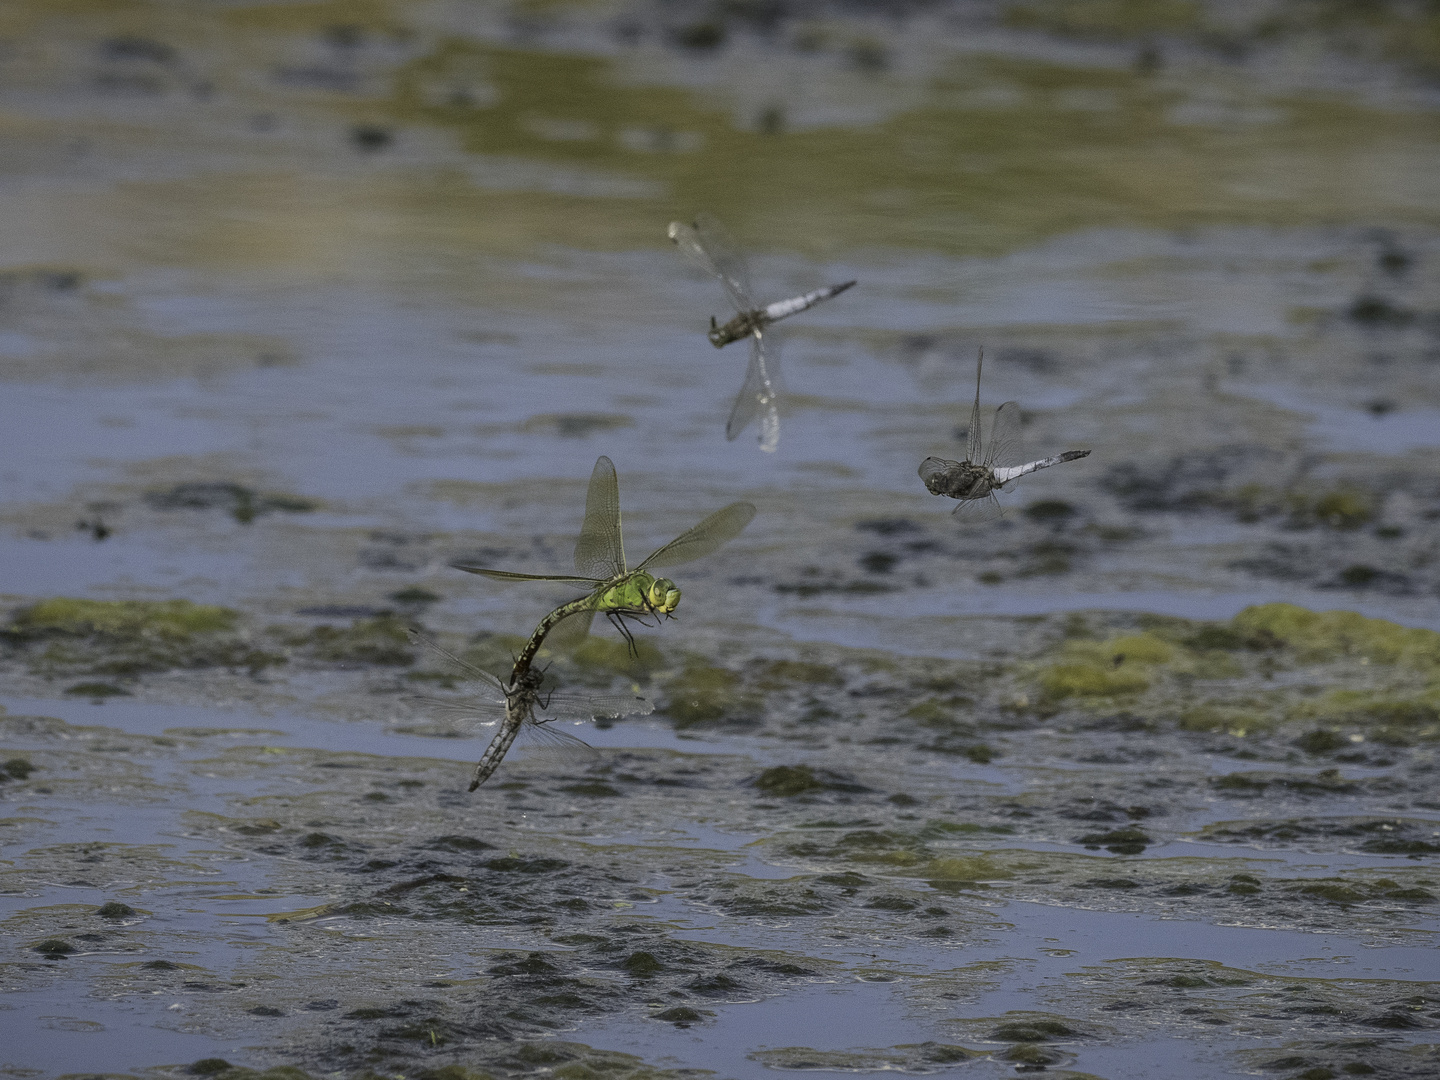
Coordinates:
x,y
300,303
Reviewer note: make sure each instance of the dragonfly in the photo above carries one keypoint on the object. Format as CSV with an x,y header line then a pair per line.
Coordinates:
x,y
707,243
975,480
522,710
612,587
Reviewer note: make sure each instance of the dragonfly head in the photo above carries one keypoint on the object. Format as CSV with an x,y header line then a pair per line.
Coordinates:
x,y
664,597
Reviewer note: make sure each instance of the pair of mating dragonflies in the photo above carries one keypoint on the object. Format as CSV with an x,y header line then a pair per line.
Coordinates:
x,y
613,589
621,593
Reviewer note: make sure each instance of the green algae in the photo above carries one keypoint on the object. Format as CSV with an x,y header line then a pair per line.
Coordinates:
x,y
381,640
129,638
166,620
703,694
1320,636
1031,170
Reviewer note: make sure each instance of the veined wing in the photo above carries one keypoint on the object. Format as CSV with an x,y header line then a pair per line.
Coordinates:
x,y
933,467
760,395
552,744
713,533
1014,472
978,511
463,667
708,244
973,443
600,551
561,706
1004,434
465,713
506,575
570,633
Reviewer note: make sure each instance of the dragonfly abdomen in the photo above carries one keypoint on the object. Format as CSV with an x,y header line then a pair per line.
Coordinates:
x,y
518,708
796,304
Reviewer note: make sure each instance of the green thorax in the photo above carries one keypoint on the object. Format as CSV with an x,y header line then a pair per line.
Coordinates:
x,y
639,593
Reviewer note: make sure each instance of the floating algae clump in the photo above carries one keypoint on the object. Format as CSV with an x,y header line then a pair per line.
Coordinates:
x,y
170,620
1105,668
131,637
1317,636
705,694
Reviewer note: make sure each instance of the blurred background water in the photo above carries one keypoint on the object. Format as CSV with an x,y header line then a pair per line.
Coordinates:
x,y
300,301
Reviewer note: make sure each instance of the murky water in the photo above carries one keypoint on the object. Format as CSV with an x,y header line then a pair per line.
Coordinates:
x,y
301,302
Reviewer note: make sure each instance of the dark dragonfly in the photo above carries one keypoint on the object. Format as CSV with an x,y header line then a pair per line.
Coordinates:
x,y
975,480
707,243
521,709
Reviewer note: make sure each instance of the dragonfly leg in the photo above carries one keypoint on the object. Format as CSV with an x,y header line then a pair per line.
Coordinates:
x,y
618,621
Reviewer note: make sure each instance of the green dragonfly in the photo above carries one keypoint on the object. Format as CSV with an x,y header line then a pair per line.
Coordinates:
x,y
614,589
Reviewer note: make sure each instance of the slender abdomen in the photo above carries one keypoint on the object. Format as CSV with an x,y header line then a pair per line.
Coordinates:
x,y
781,308
516,713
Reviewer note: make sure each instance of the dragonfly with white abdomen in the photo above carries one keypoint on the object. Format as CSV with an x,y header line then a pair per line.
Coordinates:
x,y
975,480
707,243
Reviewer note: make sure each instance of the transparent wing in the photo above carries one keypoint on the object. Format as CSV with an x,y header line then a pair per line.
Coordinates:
x,y
708,244
933,467
570,633
713,533
506,575
760,394
552,745
464,713
979,511
1004,434
600,551
593,706
972,434
470,671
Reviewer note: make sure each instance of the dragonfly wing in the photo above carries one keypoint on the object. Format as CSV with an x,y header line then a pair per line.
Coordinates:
x,y
972,434
708,244
933,468
760,395
594,706
979,511
600,552
1004,434
506,575
478,712
710,535
551,744
469,670
570,633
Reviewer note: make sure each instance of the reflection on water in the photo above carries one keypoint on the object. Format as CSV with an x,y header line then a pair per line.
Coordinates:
x,y
388,278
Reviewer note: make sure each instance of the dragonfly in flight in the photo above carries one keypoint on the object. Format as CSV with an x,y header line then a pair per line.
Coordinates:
x,y
975,480
521,709
612,587
707,243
